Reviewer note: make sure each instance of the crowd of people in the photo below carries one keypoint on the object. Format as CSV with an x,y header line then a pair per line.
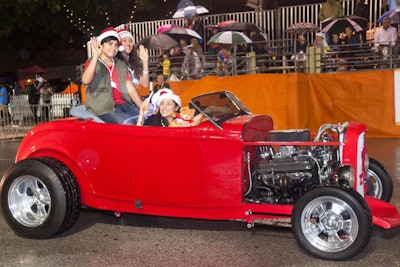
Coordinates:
x,y
339,46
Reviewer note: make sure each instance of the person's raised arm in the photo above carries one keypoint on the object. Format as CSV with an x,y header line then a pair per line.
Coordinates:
x,y
143,54
88,74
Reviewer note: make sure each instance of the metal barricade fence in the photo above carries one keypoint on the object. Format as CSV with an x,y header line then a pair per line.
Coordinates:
x,y
20,116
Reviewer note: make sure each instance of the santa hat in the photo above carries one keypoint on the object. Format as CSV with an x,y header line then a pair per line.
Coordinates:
x,y
124,32
156,96
108,32
171,96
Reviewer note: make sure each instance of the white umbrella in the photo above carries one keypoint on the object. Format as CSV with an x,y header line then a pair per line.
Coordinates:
x,y
230,37
182,32
189,12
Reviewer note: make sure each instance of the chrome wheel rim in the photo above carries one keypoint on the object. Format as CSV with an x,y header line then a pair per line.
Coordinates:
x,y
329,224
374,184
29,201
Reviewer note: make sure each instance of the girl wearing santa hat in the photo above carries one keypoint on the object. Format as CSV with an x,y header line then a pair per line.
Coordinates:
x,y
132,58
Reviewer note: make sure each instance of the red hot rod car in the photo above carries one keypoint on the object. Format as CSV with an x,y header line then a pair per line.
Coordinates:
x,y
232,166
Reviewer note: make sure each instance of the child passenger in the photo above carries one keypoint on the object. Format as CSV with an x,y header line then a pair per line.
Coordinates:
x,y
168,105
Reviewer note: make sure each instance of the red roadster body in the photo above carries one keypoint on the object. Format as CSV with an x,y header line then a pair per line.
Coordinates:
x,y
232,166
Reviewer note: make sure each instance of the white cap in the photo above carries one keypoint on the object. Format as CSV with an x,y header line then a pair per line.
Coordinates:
x,y
321,34
171,96
154,98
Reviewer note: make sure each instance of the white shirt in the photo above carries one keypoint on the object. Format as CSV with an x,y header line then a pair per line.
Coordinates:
x,y
385,37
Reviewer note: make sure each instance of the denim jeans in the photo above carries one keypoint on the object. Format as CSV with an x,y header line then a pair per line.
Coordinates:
x,y
131,111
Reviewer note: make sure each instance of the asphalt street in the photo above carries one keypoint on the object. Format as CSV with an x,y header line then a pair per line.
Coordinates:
x,y
101,239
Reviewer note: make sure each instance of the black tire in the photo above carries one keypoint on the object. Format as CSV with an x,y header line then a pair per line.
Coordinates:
x,y
40,198
332,223
379,184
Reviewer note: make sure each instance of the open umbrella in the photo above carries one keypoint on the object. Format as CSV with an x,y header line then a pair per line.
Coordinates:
x,y
166,27
33,69
181,32
241,27
189,12
393,14
302,28
158,41
337,25
230,37
185,3
225,23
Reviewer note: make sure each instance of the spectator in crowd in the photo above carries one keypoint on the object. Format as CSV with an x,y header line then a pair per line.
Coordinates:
x,y
335,43
108,81
321,42
34,96
350,40
177,55
371,32
389,5
198,25
187,23
17,88
213,48
329,9
385,38
3,102
3,93
46,93
71,89
301,50
361,9
165,63
160,84
191,66
258,45
223,59
199,50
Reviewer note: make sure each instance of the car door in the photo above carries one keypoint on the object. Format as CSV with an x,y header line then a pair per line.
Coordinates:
x,y
166,165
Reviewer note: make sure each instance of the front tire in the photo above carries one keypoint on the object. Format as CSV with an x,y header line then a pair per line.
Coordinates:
x,y
332,223
379,184
39,198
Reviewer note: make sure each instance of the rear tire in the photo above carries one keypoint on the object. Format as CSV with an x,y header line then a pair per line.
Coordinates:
x,y
379,184
40,198
332,223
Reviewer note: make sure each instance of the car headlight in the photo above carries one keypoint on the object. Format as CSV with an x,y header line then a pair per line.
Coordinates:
x,y
346,174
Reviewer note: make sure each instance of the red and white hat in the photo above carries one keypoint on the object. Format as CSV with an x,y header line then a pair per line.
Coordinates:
x,y
171,96
124,32
108,32
154,98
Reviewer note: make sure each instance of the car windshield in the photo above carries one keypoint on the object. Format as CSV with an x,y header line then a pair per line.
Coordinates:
x,y
219,106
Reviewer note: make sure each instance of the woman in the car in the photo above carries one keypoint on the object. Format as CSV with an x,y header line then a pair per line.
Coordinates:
x,y
168,105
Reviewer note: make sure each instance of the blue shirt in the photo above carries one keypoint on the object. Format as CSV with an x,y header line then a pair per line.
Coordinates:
x,y
392,4
3,96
